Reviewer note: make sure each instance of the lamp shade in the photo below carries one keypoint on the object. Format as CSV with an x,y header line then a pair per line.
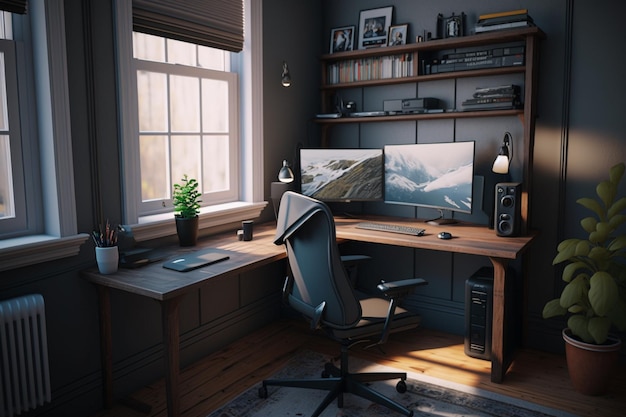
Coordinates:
x,y
503,160
285,174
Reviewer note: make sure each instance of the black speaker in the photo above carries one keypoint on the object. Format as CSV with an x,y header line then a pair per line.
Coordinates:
x,y
507,217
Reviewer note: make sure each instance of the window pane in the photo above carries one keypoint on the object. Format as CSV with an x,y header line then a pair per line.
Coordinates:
x,y
214,106
212,58
186,154
153,151
184,104
7,206
152,97
4,116
181,53
216,172
148,47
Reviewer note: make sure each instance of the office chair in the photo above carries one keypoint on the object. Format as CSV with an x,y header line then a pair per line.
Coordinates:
x,y
319,288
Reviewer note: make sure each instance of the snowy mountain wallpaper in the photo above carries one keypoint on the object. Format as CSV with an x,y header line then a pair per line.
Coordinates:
x,y
342,174
436,175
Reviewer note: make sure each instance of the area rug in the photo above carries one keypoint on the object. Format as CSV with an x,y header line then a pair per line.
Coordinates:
x,y
426,396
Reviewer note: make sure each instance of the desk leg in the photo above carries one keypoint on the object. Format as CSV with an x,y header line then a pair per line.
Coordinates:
x,y
106,349
171,340
499,364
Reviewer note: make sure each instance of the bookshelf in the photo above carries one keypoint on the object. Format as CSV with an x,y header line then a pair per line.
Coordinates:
x,y
413,56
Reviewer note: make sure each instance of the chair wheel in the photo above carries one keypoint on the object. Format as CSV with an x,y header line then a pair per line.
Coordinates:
x,y
401,386
263,392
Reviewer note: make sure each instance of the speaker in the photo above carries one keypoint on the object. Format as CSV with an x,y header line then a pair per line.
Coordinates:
x,y
507,216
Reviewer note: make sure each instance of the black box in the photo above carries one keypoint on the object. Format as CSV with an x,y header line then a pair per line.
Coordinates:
x,y
479,314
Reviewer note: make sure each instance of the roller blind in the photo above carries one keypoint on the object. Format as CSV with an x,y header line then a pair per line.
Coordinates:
x,y
13,6
214,23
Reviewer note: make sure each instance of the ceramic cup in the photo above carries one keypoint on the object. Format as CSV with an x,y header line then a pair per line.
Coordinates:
x,y
107,259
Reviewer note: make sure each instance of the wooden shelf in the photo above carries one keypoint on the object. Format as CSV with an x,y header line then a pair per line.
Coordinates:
x,y
423,116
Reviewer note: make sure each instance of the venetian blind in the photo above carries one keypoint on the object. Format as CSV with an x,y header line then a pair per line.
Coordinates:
x,y
13,6
214,23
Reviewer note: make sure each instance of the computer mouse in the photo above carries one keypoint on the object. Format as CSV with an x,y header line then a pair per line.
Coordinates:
x,y
444,235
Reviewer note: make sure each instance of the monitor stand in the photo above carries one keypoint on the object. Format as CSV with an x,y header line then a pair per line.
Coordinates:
x,y
439,221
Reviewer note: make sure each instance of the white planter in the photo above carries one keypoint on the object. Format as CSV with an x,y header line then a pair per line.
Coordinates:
x,y
107,259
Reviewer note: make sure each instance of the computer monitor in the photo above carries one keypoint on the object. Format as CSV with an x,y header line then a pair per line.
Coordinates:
x,y
342,175
433,175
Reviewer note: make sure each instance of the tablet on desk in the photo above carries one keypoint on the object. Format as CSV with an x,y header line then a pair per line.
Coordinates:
x,y
195,260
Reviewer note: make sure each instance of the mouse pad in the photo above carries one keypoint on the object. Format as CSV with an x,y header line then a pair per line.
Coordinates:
x,y
195,260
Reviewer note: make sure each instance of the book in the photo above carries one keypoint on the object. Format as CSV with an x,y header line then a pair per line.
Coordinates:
x,y
506,89
509,104
488,100
501,14
510,25
504,19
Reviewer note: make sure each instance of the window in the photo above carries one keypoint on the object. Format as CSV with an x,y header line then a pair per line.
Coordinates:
x,y
187,103
221,145
36,169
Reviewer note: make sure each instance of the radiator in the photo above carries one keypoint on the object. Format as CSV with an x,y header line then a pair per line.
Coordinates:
x,y
24,372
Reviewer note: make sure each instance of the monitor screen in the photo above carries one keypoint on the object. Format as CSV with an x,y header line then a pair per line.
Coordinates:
x,y
433,175
342,175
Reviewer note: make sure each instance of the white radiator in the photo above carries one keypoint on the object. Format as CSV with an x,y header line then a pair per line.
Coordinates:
x,y
24,373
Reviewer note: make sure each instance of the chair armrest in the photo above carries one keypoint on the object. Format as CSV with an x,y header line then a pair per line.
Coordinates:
x,y
398,288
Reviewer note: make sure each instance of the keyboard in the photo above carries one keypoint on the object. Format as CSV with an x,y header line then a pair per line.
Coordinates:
x,y
392,228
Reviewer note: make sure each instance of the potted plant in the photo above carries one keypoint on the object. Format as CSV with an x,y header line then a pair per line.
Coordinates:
x,y
107,253
186,208
595,294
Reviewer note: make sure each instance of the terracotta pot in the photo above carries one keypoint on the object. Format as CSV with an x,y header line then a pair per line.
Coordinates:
x,y
591,366
187,230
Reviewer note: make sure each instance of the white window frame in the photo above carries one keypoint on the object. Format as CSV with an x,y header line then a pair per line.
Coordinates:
x,y
250,203
58,237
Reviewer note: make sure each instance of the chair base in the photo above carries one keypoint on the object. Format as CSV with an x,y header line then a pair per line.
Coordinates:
x,y
338,381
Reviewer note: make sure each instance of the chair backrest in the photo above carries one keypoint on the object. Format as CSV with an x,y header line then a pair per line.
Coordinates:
x,y
307,229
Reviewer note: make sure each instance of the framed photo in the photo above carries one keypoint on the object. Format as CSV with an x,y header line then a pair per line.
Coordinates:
x,y
342,39
450,27
373,27
397,35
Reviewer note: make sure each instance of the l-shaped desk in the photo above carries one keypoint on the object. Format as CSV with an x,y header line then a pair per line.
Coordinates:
x,y
168,287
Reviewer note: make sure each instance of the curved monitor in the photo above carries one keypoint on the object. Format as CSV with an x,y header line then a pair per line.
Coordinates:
x,y
342,175
433,175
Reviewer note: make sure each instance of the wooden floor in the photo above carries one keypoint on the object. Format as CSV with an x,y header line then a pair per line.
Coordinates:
x,y
534,376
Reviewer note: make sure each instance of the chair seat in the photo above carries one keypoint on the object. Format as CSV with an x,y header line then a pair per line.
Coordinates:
x,y
372,321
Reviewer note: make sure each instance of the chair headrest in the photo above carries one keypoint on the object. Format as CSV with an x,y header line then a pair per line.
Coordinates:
x,y
295,210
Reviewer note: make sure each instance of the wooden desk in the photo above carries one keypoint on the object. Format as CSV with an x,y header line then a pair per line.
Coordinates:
x,y
467,239
168,288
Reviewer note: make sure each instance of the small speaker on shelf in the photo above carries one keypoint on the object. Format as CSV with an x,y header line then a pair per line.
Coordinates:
x,y
507,216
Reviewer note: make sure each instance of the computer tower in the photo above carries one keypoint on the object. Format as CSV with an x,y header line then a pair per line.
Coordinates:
x,y
479,313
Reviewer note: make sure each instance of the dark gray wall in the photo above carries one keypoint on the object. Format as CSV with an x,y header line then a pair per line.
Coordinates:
x,y
579,134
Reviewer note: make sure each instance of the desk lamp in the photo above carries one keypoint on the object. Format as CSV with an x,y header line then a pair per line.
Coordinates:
x,y
503,160
285,183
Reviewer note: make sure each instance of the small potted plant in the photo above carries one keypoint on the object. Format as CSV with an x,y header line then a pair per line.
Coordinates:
x,y
107,254
186,208
595,294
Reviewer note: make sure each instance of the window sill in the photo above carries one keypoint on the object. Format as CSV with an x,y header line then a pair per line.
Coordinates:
x,y
29,250
162,225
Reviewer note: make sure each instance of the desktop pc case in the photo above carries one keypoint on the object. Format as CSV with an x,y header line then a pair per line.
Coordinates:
x,y
479,312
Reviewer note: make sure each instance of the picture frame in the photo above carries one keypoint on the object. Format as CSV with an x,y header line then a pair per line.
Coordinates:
x,y
451,26
342,39
373,27
398,35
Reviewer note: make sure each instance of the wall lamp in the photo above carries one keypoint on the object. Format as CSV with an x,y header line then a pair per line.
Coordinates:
x,y
503,160
284,183
285,77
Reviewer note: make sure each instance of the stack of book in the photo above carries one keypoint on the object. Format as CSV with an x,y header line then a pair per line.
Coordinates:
x,y
503,20
498,97
463,60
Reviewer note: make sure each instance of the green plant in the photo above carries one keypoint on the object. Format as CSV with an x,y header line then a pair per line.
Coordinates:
x,y
595,294
186,198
